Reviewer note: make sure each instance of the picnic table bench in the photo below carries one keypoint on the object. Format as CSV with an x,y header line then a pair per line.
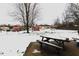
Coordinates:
x,y
58,48
53,45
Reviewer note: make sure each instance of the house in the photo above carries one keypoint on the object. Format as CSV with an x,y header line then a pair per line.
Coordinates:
x,y
4,27
45,26
36,27
16,28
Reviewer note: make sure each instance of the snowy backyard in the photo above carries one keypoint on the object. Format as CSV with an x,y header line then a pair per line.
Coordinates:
x,y
27,27
15,43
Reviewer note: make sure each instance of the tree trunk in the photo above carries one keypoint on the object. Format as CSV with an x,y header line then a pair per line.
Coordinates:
x,y
27,25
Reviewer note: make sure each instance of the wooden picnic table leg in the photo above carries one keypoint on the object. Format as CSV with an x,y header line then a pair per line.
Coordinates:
x,y
60,43
59,51
42,38
63,44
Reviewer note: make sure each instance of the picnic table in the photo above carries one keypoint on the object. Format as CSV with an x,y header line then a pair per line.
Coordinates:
x,y
58,40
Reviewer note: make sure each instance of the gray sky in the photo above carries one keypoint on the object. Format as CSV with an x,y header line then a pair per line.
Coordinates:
x,y
48,13
5,18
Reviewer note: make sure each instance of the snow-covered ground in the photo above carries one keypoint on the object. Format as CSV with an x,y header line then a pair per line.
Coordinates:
x,y
15,43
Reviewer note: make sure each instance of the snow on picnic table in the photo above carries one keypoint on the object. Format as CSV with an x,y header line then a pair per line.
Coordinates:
x,y
15,43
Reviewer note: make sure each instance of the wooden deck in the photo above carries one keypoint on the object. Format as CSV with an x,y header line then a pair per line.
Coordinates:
x,y
70,50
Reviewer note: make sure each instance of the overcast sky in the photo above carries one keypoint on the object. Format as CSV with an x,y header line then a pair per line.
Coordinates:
x,y
48,13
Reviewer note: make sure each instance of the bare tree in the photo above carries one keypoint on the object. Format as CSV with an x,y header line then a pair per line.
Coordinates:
x,y
72,13
26,13
57,22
